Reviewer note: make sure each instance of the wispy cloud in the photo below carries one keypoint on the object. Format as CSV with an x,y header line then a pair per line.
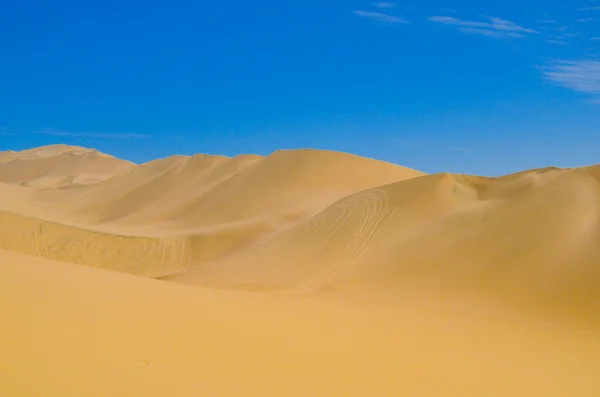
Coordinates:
x,y
380,17
490,33
496,27
102,135
585,20
591,8
582,76
557,42
384,4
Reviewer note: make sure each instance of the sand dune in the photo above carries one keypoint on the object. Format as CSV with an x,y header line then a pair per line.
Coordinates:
x,y
183,211
74,331
529,239
59,166
142,256
312,273
43,152
187,192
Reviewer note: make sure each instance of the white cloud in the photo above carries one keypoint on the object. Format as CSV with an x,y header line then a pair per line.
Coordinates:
x,y
558,42
582,76
380,17
498,28
490,33
592,8
384,4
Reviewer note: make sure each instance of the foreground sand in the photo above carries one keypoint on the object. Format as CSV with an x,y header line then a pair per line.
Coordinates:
x,y
310,273
77,331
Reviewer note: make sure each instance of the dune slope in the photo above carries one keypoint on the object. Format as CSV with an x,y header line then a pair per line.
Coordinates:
x,y
78,331
59,166
529,239
304,272
183,211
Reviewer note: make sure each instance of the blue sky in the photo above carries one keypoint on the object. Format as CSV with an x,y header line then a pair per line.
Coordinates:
x,y
461,86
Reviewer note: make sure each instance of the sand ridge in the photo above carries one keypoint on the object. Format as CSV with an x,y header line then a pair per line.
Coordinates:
x,y
212,205
530,242
292,272
59,166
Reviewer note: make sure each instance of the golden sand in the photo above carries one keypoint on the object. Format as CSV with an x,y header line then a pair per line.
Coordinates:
x,y
303,273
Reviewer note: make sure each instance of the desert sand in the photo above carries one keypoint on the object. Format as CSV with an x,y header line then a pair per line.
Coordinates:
x,y
302,273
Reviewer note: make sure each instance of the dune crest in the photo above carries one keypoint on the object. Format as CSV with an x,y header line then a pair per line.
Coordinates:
x,y
59,166
310,220
526,239
210,205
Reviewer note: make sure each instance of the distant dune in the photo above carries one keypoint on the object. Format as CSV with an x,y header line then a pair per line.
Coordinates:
x,y
59,166
169,215
316,273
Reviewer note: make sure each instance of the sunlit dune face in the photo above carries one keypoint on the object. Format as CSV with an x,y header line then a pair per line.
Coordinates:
x,y
301,273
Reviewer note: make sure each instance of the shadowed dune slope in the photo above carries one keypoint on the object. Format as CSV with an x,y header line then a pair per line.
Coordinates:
x,y
529,239
194,209
143,256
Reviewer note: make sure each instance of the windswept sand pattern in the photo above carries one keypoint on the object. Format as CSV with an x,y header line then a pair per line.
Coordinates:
x,y
371,209
455,231
148,257
206,201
